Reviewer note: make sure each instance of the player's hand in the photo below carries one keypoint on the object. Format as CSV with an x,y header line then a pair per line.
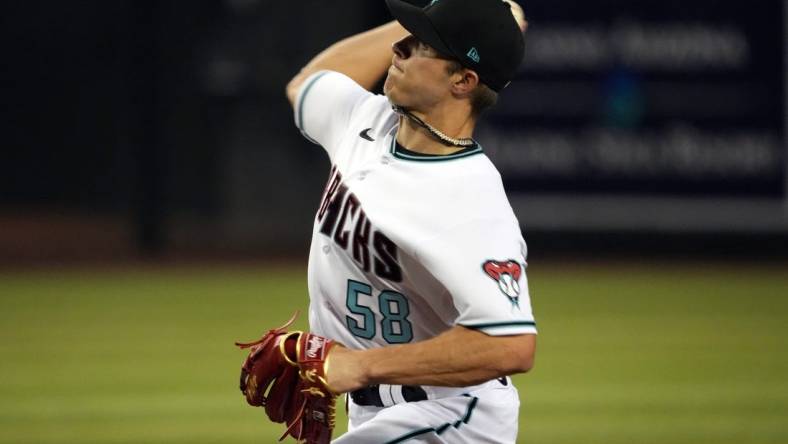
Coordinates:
x,y
519,15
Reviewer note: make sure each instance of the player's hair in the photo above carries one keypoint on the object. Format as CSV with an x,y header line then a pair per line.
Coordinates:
x,y
482,98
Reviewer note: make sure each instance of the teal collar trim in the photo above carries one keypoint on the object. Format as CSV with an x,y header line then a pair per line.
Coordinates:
x,y
400,152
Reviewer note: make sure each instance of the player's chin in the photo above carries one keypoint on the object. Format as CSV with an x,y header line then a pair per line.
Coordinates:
x,y
394,101
390,90
388,85
398,93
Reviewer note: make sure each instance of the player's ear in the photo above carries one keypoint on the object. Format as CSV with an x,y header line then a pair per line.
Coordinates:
x,y
464,81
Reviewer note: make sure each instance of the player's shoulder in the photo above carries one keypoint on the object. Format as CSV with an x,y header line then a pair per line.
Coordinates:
x,y
490,192
477,173
375,112
476,187
332,110
368,106
328,88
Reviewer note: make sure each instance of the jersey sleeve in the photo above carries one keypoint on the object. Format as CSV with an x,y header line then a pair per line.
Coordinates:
x,y
482,265
325,106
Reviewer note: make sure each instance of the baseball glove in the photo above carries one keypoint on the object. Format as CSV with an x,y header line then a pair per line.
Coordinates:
x,y
285,373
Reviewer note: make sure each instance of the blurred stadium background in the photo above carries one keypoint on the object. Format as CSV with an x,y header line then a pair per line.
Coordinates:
x,y
156,205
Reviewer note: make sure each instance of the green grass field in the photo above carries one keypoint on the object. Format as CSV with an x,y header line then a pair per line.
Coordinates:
x,y
679,353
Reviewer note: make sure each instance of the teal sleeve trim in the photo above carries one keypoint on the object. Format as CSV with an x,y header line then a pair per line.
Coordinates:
x,y
443,427
306,88
500,325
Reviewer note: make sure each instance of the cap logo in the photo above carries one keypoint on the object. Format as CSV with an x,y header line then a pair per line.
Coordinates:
x,y
473,54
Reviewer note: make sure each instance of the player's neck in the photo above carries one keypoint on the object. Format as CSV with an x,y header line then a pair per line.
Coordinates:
x,y
416,138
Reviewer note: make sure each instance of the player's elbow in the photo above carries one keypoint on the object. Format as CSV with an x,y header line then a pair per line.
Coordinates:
x,y
521,354
294,85
525,363
291,90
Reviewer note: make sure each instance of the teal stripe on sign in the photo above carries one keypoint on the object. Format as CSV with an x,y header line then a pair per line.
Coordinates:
x,y
300,122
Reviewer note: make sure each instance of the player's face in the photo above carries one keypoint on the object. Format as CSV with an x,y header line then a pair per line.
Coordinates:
x,y
418,78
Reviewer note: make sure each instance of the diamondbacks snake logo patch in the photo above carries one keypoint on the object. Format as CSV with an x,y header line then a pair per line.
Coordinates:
x,y
507,274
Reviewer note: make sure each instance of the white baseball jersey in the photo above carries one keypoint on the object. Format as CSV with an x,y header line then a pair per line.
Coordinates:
x,y
405,246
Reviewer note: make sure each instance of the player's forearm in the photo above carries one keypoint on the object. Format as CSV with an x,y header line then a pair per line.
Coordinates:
x,y
363,57
457,358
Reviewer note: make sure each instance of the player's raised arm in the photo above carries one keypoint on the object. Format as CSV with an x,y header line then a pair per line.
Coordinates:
x,y
363,57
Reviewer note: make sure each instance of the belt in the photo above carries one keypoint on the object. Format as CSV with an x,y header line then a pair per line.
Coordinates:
x,y
374,395
370,396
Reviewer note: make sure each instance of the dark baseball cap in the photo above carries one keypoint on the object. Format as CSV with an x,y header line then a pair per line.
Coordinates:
x,y
482,35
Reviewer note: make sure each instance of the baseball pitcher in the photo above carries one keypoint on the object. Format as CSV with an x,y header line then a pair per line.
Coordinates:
x,y
419,305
